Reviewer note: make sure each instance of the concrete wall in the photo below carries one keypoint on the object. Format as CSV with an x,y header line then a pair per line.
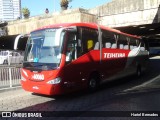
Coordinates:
x,y
27,25
127,12
114,14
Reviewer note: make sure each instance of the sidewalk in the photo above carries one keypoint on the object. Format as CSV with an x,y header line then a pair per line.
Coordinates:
x,y
2,90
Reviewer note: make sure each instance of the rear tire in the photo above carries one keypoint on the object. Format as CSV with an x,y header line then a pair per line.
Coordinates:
x,y
139,71
93,83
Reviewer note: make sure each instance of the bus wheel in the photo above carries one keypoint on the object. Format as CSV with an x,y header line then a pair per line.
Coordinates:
x,y
139,71
93,83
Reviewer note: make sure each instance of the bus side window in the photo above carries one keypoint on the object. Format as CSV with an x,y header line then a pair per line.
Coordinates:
x,y
131,47
126,47
137,43
90,45
114,46
70,52
79,48
123,43
89,39
132,43
96,47
107,39
121,46
142,48
134,46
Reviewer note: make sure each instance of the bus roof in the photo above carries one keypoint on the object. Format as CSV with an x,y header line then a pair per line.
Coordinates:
x,y
90,25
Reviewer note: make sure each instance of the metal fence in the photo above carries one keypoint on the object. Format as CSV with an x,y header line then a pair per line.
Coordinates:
x,y
10,65
9,77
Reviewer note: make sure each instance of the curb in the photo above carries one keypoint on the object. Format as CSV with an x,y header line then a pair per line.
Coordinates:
x,y
10,89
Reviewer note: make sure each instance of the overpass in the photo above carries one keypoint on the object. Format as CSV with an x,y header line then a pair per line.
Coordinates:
x,y
138,17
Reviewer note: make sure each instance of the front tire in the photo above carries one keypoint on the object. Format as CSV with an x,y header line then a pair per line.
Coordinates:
x,y
93,83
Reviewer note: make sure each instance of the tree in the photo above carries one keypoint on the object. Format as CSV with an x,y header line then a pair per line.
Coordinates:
x,y
26,12
64,4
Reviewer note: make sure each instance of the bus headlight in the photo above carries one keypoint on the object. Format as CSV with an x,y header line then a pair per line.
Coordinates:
x,y
55,81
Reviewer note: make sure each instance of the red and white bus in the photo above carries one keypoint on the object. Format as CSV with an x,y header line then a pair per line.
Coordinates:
x,y
63,58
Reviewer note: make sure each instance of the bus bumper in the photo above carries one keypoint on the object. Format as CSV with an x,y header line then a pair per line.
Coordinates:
x,y
43,88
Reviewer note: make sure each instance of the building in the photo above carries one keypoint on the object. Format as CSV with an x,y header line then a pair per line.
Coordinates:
x,y
10,10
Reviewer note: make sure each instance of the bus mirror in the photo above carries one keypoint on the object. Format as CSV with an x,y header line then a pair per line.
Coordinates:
x,y
59,32
17,40
58,36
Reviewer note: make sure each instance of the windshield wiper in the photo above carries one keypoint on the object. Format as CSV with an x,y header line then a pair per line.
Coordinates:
x,y
45,66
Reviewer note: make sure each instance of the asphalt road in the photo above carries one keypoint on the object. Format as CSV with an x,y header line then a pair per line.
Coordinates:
x,y
111,101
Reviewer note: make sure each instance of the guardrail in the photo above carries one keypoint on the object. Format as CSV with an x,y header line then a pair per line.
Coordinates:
x,y
9,76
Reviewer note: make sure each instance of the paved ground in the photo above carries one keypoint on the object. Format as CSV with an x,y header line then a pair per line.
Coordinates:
x,y
129,94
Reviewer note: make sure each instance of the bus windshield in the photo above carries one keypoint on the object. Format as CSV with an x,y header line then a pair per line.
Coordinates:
x,y
44,48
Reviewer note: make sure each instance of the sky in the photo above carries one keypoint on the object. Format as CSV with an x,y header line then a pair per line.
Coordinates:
x,y
37,7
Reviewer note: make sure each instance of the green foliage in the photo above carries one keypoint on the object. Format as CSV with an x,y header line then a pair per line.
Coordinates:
x,y
64,3
26,12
